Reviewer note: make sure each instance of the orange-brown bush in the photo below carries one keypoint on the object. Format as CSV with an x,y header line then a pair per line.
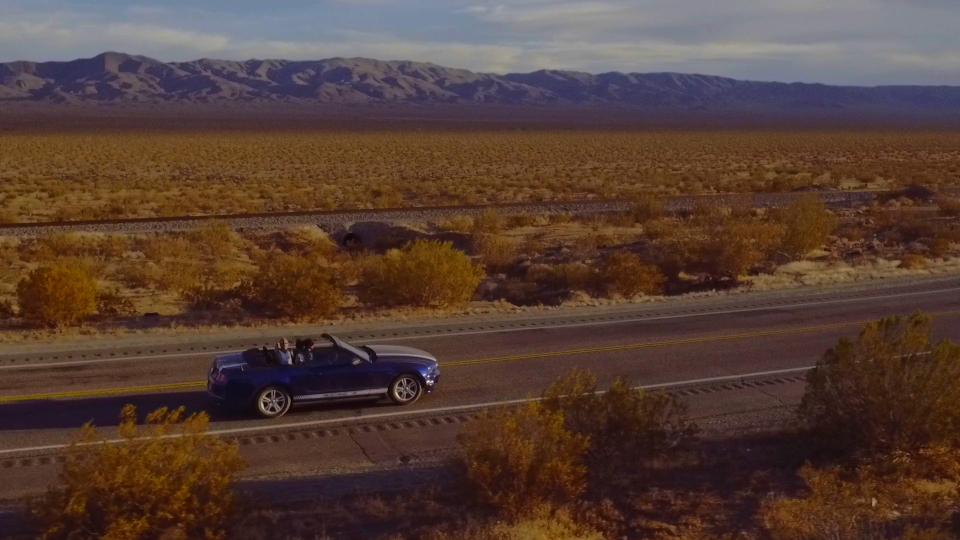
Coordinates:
x,y
914,500
296,287
58,294
543,524
807,224
645,207
566,276
732,248
169,481
899,390
489,222
111,303
496,252
423,273
627,275
626,426
522,459
912,261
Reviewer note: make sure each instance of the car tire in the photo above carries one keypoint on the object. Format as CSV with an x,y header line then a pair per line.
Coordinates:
x,y
272,402
405,389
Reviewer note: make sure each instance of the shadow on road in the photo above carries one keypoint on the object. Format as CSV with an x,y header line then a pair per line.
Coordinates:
x,y
105,411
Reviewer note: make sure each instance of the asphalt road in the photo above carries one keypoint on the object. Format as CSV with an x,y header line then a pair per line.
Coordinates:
x,y
44,405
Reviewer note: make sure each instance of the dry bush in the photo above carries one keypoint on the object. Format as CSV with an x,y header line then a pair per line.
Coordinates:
x,y
296,288
137,275
526,220
646,207
731,249
519,460
423,273
912,261
59,294
496,252
807,224
216,239
567,276
949,206
460,224
899,390
213,172
559,219
627,275
626,426
111,303
544,524
160,248
870,503
489,222
170,481
7,311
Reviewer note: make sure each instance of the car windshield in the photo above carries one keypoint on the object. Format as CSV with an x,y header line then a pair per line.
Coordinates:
x,y
356,351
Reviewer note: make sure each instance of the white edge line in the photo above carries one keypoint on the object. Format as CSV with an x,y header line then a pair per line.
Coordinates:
x,y
436,410
502,330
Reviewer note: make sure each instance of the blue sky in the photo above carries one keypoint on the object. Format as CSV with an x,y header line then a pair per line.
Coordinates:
x,y
830,41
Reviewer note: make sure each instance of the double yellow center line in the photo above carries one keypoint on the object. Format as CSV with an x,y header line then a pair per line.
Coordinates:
x,y
612,348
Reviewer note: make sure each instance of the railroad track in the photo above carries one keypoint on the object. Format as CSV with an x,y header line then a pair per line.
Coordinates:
x,y
332,220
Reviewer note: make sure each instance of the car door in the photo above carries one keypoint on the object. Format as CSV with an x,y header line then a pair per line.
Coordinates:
x,y
345,376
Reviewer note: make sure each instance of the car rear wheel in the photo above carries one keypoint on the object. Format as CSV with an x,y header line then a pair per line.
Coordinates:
x,y
405,389
272,402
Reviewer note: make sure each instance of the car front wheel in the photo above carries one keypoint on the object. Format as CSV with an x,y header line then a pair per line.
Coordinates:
x,y
272,402
405,389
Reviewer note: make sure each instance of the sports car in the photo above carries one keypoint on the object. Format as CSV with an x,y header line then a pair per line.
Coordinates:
x,y
252,380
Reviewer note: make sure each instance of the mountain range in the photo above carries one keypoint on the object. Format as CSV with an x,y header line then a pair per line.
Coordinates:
x,y
122,78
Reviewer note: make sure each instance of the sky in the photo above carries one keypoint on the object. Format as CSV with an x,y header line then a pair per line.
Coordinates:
x,y
863,42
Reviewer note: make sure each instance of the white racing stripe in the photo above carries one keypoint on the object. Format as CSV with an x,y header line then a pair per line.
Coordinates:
x,y
503,330
419,412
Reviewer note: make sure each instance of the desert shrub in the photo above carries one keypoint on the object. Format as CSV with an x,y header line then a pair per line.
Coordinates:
x,y
867,503
308,242
296,288
7,311
559,219
912,261
489,222
807,224
891,389
625,426
217,240
137,275
111,303
159,248
949,206
50,247
496,252
525,220
939,247
542,524
646,207
171,480
731,249
58,294
626,274
519,460
423,273
112,247
460,224
567,276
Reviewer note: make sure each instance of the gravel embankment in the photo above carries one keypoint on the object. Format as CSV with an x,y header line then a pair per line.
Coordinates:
x,y
335,220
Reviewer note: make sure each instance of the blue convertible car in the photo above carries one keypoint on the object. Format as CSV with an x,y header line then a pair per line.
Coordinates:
x,y
252,379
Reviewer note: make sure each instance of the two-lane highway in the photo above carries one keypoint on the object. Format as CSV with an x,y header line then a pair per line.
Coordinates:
x,y
41,406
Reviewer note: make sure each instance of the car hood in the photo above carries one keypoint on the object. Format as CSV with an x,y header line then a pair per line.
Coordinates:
x,y
399,352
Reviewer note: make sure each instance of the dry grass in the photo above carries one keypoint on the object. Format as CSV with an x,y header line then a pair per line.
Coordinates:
x,y
122,174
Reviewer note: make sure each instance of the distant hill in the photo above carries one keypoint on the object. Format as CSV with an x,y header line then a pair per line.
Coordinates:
x,y
123,78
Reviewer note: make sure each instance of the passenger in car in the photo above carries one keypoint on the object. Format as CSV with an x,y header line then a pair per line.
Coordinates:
x,y
284,357
303,351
